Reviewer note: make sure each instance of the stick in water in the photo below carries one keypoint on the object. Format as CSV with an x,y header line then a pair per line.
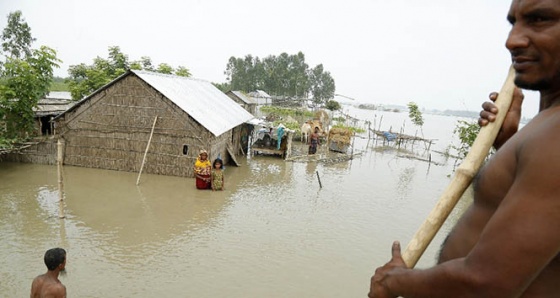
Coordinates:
x,y
462,178
146,152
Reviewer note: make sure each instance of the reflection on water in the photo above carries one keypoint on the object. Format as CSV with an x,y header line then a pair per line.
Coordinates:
x,y
272,233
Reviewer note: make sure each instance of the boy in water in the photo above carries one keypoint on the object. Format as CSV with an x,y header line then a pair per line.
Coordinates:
x,y
48,285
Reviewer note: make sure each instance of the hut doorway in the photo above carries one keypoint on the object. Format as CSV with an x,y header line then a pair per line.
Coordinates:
x,y
246,131
46,125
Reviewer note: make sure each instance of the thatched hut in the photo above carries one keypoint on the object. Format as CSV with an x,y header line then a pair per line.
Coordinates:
x,y
176,116
50,106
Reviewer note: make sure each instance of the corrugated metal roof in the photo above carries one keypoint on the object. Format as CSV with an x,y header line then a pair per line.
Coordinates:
x,y
260,97
59,95
52,106
259,94
54,103
200,99
243,97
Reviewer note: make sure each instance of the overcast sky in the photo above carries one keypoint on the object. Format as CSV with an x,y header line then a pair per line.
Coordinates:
x,y
442,54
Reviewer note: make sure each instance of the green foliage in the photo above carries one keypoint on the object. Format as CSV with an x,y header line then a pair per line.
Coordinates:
x,y
165,68
352,128
25,77
288,125
16,37
414,114
85,79
182,71
332,105
145,63
467,132
339,119
286,111
321,85
59,84
224,87
24,82
286,75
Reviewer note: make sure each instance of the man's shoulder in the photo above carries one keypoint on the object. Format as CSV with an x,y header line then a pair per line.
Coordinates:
x,y
536,149
38,279
56,290
543,132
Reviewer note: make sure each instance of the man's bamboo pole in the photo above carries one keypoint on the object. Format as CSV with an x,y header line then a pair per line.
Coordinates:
x,y
462,178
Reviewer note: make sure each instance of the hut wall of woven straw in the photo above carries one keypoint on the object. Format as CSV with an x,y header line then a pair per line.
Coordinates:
x,y
111,131
40,152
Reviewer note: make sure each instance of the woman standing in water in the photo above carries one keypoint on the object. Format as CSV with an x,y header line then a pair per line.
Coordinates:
x,y
202,169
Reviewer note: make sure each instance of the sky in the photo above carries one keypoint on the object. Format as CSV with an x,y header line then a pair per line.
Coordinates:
x,y
440,54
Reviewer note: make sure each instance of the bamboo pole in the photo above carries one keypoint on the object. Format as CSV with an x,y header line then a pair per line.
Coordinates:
x,y
319,179
59,159
462,178
146,152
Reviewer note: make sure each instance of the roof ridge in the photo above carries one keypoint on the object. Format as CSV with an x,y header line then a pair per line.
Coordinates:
x,y
167,75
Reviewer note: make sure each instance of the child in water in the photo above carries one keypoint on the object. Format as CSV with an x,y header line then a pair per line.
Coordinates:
x,y
217,175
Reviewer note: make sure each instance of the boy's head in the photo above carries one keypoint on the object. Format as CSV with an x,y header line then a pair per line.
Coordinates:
x,y
54,257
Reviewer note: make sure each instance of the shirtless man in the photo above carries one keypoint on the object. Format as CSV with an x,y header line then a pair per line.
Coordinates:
x,y
314,141
47,285
507,243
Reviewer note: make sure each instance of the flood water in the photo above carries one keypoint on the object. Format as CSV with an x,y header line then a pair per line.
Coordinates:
x,y
274,232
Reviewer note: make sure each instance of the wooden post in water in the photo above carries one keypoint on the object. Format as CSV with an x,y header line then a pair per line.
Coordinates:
x,y
352,152
319,179
59,162
146,152
288,152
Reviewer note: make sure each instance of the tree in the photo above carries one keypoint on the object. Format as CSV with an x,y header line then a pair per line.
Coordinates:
x,y
467,132
241,73
415,115
285,75
182,71
332,105
224,87
165,68
16,37
321,84
25,77
146,63
85,79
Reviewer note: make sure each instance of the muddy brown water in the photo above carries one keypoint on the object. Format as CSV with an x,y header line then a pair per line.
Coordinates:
x,y
272,233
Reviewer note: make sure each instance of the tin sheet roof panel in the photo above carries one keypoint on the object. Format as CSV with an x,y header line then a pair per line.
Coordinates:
x,y
200,99
243,97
